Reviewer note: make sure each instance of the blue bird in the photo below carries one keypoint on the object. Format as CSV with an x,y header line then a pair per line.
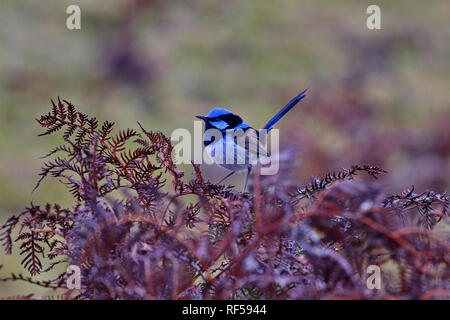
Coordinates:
x,y
228,124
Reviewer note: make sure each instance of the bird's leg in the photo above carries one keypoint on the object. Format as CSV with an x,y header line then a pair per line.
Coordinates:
x,y
246,178
229,174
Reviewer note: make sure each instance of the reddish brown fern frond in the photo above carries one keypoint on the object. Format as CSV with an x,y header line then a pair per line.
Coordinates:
x,y
199,240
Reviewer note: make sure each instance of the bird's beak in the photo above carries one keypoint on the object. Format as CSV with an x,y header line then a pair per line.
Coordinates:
x,y
201,117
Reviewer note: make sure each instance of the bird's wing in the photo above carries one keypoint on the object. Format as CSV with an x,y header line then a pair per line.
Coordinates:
x,y
254,143
256,150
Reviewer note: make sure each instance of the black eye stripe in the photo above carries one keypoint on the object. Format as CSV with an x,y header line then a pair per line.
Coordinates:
x,y
231,119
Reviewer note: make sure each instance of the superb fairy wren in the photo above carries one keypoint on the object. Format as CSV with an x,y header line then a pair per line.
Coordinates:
x,y
227,123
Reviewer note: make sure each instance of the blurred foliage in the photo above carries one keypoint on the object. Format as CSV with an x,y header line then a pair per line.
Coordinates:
x,y
378,97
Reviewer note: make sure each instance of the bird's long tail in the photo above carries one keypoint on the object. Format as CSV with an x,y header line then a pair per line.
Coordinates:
x,y
285,110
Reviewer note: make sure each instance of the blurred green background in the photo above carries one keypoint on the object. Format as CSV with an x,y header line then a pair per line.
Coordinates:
x,y
375,96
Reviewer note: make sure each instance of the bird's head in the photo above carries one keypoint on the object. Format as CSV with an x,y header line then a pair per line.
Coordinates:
x,y
223,119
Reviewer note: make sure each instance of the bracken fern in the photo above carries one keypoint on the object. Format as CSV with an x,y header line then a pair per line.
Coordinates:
x,y
145,242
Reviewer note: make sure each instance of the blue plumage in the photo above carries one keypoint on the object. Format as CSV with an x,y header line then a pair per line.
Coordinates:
x,y
217,112
224,120
285,110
